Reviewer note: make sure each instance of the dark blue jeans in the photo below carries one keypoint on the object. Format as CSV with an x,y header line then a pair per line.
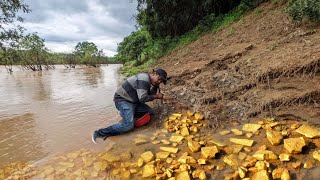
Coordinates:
x,y
128,111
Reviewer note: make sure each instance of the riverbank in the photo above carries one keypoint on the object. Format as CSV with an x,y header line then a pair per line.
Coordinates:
x,y
184,147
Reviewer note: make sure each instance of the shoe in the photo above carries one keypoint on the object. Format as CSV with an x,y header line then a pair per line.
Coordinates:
x,y
94,137
104,138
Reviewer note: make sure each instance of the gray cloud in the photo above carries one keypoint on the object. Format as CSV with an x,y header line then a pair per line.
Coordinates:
x,y
104,22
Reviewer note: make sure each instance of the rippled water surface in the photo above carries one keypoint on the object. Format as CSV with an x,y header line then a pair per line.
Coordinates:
x,y
44,113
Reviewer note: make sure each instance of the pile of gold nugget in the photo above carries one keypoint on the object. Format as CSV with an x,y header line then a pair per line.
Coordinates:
x,y
267,149
184,149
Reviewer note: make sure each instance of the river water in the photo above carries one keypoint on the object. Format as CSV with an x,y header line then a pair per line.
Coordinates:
x,y
49,112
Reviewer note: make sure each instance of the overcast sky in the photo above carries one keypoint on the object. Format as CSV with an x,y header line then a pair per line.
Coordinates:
x,y
64,23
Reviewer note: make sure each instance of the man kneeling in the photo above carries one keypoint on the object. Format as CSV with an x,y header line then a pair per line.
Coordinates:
x,y
130,100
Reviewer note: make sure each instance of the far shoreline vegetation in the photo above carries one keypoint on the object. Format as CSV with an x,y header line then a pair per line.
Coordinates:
x,y
162,27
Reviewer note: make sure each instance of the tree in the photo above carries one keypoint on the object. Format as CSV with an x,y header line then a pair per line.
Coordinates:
x,y
88,53
9,56
34,53
173,18
132,46
8,16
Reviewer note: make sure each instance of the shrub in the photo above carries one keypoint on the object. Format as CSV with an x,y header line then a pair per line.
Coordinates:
x,y
299,9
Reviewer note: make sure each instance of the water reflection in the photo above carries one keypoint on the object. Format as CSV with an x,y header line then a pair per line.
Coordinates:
x,y
42,90
93,76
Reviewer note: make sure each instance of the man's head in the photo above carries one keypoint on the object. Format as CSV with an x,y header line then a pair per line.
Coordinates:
x,y
159,76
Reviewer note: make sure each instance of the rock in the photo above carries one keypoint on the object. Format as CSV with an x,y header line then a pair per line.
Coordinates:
x,y
162,155
296,165
169,172
284,157
242,171
209,152
147,156
176,138
276,173
284,133
198,116
294,145
237,132
169,160
232,176
189,113
194,146
110,157
202,161
308,165
193,129
316,155
265,155
199,174
295,126
308,131
270,125
178,115
274,137
242,156
236,148
184,167
249,135
169,149
187,160
260,175
183,176
148,171
247,149
133,171
249,162
251,127
155,142
231,160
261,165
220,167
100,166
217,142
165,142
263,147
140,162
245,142
139,141
285,175
184,131
224,132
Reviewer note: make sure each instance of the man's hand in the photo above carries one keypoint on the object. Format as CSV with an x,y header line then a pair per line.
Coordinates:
x,y
159,95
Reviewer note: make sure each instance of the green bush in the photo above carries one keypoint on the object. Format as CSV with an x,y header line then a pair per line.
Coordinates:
x,y
299,9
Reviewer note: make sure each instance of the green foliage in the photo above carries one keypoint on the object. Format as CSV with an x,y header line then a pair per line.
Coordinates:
x,y
8,16
34,53
299,9
139,49
163,18
132,47
87,53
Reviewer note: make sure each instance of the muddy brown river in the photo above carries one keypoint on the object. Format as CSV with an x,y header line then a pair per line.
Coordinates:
x,y
50,112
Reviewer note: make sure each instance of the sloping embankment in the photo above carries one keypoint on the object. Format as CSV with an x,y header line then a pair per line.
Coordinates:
x,y
262,65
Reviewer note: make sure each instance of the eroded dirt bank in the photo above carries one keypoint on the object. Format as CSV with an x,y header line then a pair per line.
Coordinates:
x,y
262,65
